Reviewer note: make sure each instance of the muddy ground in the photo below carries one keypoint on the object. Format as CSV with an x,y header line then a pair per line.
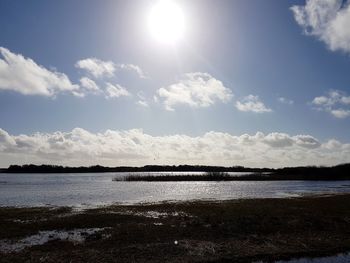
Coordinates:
x,y
201,231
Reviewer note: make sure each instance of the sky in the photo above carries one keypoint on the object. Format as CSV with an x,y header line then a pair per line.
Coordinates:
x,y
253,83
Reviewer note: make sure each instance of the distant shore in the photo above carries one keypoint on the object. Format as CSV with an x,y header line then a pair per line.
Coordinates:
x,y
201,231
212,173
31,168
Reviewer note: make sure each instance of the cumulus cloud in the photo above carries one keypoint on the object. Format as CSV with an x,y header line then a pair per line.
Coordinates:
x,y
196,90
285,101
142,103
23,75
306,141
329,20
6,140
340,113
142,100
253,104
278,140
96,67
99,68
335,102
134,147
89,84
132,67
115,91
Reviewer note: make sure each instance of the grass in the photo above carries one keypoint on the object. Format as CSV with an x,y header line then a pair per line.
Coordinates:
x,y
208,176
228,231
225,176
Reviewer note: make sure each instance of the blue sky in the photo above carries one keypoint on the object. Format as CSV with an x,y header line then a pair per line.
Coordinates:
x,y
247,67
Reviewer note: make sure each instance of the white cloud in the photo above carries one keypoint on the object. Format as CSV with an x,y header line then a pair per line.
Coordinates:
x,y
96,67
278,139
196,90
134,68
142,100
322,100
335,102
79,94
306,141
253,104
89,84
99,68
23,75
142,103
115,91
134,147
340,113
6,140
329,20
285,101
345,100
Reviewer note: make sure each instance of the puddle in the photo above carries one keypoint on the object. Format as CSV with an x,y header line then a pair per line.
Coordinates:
x,y
43,219
74,236
153,214
20,221
339,258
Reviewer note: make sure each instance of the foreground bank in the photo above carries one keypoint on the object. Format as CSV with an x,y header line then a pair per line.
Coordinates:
x,y
239,231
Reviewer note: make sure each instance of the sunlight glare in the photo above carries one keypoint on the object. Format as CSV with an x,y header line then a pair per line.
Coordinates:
x,y
166,22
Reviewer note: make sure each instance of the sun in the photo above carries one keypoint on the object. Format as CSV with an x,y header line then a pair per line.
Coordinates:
x,y
166,22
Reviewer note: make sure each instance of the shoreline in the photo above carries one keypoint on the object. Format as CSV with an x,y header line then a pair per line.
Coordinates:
x,y
239,230
91,206
312,173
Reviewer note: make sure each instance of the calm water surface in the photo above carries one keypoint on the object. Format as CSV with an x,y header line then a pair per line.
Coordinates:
x,y
340,258
93,189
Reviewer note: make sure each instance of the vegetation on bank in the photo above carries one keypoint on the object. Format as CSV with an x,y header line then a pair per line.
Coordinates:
x,y
224,176
229,231
213,173
208,176
32,168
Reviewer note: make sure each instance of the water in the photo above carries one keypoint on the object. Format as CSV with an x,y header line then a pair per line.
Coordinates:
x,y
340,258
74,235
93,189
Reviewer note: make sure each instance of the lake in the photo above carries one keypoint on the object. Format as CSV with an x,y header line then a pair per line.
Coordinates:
x,y
94,189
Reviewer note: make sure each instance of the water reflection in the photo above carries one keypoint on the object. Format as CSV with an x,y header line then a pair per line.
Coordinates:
x,y
340,258
97,189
